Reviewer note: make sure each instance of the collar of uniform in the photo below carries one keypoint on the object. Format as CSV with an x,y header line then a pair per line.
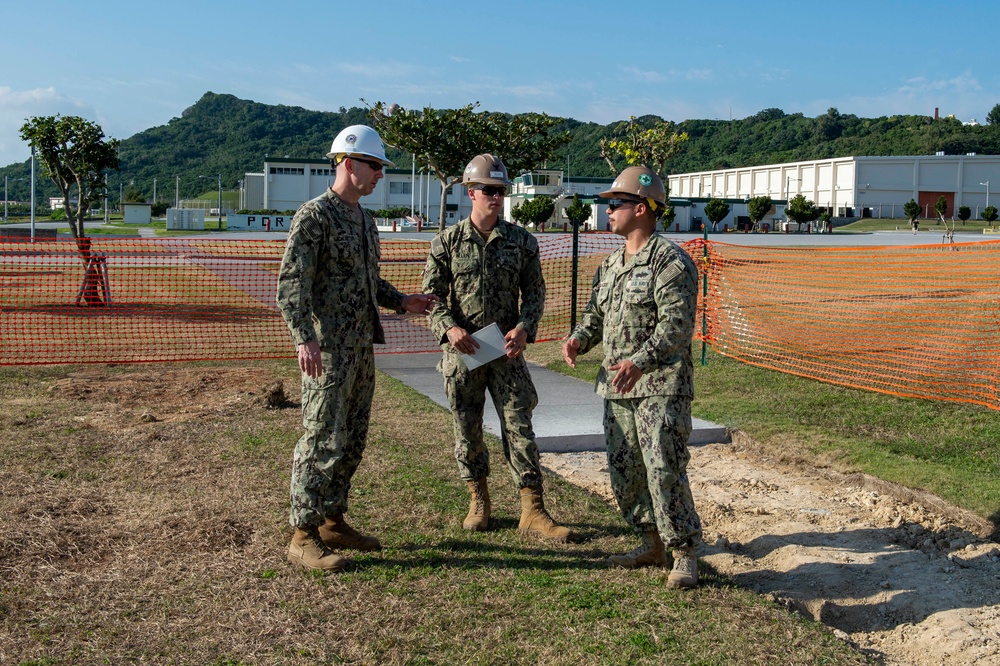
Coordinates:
x,y
469,231
642,257
617,263
343,207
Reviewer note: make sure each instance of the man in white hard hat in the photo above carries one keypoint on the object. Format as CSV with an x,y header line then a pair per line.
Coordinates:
x,y
329,292
642,309
486,270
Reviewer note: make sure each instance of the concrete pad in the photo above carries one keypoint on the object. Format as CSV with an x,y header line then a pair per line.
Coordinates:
x,y
569,415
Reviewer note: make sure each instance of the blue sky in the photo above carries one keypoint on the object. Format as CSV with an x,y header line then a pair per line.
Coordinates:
x,y
135,65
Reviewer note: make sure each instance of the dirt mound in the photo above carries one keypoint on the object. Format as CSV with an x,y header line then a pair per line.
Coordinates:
x,y
902,575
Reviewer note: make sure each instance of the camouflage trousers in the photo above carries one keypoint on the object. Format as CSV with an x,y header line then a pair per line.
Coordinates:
x,y
514,397
648,457
336,407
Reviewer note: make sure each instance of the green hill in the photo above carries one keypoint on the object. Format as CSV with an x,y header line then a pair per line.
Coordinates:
x,y
222,134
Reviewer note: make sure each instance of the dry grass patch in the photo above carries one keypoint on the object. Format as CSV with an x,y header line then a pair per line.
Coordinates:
x,y
143,518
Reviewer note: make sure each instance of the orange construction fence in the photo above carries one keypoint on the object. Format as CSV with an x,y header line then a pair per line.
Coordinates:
x,y
920,321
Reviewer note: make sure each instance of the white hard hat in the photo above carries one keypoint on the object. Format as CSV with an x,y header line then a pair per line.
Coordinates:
x,y
358,140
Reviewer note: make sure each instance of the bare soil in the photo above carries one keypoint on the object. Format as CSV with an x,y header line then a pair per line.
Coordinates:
x,y
902,575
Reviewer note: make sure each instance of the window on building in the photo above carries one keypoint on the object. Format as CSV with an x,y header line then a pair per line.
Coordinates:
x,y
400,187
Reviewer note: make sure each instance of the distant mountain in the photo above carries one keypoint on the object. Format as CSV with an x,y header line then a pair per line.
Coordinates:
x,y
222,134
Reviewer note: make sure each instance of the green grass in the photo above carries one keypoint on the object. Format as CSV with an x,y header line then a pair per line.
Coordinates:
x,y
949,449
928,226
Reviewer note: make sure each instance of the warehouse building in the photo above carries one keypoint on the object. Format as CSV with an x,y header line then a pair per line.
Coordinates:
x,y
849,187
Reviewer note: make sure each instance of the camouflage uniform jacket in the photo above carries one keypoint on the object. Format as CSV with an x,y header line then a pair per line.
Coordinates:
x,y
480,282
644,311
329,287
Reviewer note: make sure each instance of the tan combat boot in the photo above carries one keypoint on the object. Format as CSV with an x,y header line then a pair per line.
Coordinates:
x,y
308,550
336,533
534,517
685,571
479,506
650,554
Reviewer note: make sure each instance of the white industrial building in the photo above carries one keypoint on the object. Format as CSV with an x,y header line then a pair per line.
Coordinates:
x,y
287,183
849,187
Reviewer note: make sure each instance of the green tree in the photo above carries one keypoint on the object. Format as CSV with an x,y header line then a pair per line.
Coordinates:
x,y
993,117
533,211
829,126
669,214
133,195
800,210
638,145
940,207
444,140
964,213
75,155
989,214
716,211
578,212
912,210
757,208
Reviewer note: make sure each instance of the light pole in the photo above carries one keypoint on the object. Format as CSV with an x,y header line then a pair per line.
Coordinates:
x,y
987,184
220,197
32,194
788,185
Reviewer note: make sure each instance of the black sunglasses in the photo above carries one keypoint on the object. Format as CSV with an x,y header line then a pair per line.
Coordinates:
x,y
492,190
375,166
615,204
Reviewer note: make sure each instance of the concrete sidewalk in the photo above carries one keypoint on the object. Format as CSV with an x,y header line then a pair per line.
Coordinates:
x,y
569,413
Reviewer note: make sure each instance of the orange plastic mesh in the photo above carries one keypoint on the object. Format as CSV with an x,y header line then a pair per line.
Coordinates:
x,y
919,321
912,321
151,300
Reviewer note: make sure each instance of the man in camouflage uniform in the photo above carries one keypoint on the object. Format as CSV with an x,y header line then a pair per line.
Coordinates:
x,y
329,292
485,270
642,309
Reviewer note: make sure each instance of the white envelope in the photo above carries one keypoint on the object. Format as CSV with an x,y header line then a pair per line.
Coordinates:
x,y
491,346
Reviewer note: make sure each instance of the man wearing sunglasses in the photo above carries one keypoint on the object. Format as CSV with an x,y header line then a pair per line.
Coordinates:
x,y
329,292
486,270
642,309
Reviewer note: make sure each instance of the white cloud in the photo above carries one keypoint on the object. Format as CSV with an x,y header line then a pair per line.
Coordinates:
x,y
962,96
16,106
962,83
646,76
378,70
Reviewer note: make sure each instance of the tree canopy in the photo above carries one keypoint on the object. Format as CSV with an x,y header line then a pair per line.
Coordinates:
x,y
578,212
716,211
75,155
649,144
912,210
533,211
993,117
940,206
445,140
801,210
758,208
